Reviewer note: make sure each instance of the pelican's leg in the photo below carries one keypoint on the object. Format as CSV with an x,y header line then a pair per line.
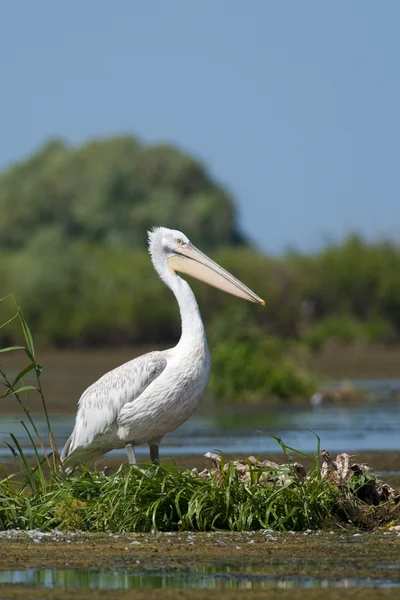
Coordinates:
x,y
154,455
131,453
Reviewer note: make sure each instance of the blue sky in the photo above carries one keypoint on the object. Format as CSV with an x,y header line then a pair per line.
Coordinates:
x,y
293,105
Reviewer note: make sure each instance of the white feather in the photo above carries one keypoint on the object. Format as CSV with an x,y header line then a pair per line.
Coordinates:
x,y
99,406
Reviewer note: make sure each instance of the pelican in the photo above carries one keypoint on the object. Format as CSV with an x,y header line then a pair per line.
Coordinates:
x,y
149,396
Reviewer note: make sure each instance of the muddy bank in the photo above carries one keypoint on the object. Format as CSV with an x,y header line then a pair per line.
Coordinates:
x,y
334,553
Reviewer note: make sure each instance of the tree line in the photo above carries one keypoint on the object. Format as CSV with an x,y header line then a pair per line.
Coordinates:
x,y
73,224
88,294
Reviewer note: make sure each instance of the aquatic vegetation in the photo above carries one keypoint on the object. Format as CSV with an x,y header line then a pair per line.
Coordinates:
x,y
236,496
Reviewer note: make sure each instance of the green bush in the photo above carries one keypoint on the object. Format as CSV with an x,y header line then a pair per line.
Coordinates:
x,y
347,329
378,329
248,365
344,329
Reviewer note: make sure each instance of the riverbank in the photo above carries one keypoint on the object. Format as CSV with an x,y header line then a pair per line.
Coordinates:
x,y
260,550
218,564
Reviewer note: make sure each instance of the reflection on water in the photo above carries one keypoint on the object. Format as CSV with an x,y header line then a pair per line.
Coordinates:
x,y
352,429
195,577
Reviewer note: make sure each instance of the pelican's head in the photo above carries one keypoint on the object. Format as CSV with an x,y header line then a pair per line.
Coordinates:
x,y
171,251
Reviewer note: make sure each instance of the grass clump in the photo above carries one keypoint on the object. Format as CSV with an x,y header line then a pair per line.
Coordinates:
x,y
173,499
169,499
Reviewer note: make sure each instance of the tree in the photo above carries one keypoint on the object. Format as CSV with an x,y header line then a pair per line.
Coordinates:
x,y
110,192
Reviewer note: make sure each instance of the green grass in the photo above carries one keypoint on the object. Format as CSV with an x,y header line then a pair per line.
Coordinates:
x,y
168,499
41,496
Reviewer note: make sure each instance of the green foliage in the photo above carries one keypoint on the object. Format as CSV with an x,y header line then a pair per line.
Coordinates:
x,y
346,329
343,329
353,280
87,294
34,478
73,227
170,499
110,192
251,366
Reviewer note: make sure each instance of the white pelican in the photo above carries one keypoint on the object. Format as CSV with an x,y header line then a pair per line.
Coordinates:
x,y
142,400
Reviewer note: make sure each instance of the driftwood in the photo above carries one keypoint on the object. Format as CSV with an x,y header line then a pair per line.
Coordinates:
x,y
340,471
267,470
369,489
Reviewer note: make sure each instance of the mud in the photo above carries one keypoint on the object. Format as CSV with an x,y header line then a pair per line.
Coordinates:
x,y
337,554
333,553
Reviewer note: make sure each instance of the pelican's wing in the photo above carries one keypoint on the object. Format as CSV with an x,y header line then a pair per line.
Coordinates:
x,y
99,405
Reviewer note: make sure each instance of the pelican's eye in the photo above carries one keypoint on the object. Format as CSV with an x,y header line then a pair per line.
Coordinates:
x,y
179,241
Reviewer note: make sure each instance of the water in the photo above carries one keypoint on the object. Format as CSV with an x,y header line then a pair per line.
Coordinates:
x,y
193,577
343,429
235,429
380,389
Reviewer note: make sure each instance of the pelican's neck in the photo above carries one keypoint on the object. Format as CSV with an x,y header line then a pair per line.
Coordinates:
x,y
193,337
193,333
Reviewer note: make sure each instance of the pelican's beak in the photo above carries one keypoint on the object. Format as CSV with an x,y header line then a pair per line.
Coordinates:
x,y
188,259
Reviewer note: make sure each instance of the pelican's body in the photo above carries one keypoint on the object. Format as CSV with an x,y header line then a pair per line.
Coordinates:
x,y
142,400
